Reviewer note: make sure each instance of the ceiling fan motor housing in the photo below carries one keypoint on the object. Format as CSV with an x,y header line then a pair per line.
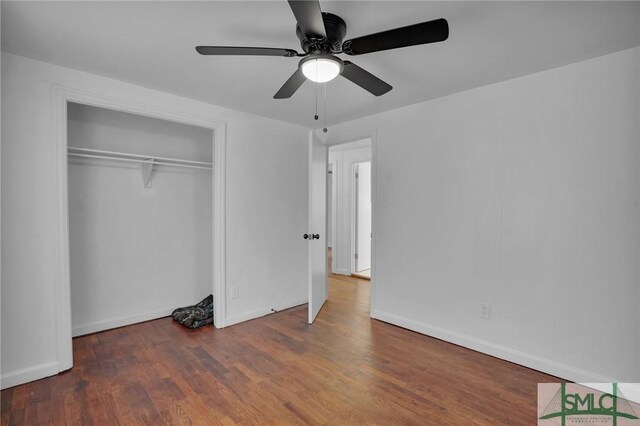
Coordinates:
x,y
336,30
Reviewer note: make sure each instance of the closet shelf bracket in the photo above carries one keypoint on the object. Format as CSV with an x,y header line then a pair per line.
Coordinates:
x,y
147,169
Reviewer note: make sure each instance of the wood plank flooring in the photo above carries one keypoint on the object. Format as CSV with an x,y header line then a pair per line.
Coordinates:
x,y
344,369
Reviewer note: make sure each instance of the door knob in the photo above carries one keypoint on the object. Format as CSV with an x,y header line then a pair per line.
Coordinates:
x,y
306,236
315,237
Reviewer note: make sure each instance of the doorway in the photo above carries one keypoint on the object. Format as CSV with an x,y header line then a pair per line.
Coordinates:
x,y
348,216
349,212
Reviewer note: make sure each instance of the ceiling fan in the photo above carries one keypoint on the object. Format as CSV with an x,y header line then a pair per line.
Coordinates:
x,y
321,36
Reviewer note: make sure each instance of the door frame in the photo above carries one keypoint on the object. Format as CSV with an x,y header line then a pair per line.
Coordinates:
x,y
62,95
353,169
371,138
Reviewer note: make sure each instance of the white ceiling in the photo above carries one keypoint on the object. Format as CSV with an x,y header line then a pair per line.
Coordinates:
x,y
152,44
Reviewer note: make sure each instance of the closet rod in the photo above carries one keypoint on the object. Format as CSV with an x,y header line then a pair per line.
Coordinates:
x,y
144,158
149,160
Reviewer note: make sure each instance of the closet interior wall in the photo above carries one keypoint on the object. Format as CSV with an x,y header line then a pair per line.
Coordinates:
x,y
136,252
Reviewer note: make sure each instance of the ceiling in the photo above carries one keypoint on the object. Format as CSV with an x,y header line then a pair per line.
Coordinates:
x,y
151,43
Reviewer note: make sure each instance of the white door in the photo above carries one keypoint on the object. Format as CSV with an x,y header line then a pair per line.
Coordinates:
x,y
363,216
317,232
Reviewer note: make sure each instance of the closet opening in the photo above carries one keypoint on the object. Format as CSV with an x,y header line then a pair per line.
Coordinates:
x,y
140,216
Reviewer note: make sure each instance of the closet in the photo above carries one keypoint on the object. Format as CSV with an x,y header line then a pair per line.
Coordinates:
x,y
140,217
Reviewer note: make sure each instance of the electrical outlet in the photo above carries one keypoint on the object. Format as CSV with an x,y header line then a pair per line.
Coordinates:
x,y
235,292
485,310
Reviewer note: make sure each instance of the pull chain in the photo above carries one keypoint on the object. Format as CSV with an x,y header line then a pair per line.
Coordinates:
x,y
325,108
315,117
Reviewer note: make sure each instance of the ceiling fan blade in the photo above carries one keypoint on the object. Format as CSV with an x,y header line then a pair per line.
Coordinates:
x,y
309,17
253,51
365,79
291,85
412,35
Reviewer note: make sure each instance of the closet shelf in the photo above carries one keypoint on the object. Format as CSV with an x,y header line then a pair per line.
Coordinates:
x,y
123,156
147,161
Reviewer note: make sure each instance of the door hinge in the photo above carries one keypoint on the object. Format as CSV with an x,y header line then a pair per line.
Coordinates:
x,y
356,255
357,174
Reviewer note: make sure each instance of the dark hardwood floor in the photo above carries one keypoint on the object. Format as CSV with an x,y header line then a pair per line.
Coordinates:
x,y
344,369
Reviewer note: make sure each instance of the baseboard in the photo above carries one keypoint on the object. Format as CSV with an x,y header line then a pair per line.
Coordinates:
x,y
108,324
364,277
342,272
30,374
528,360
263,311
631,392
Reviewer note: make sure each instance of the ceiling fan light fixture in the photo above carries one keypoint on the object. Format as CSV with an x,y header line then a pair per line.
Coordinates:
x,y
321,68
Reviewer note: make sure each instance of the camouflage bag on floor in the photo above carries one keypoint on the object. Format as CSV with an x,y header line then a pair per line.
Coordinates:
x,y
196,315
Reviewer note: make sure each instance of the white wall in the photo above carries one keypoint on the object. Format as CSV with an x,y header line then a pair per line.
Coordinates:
x,y
136,253
522,194
343,157
330,204
0,209
267,165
